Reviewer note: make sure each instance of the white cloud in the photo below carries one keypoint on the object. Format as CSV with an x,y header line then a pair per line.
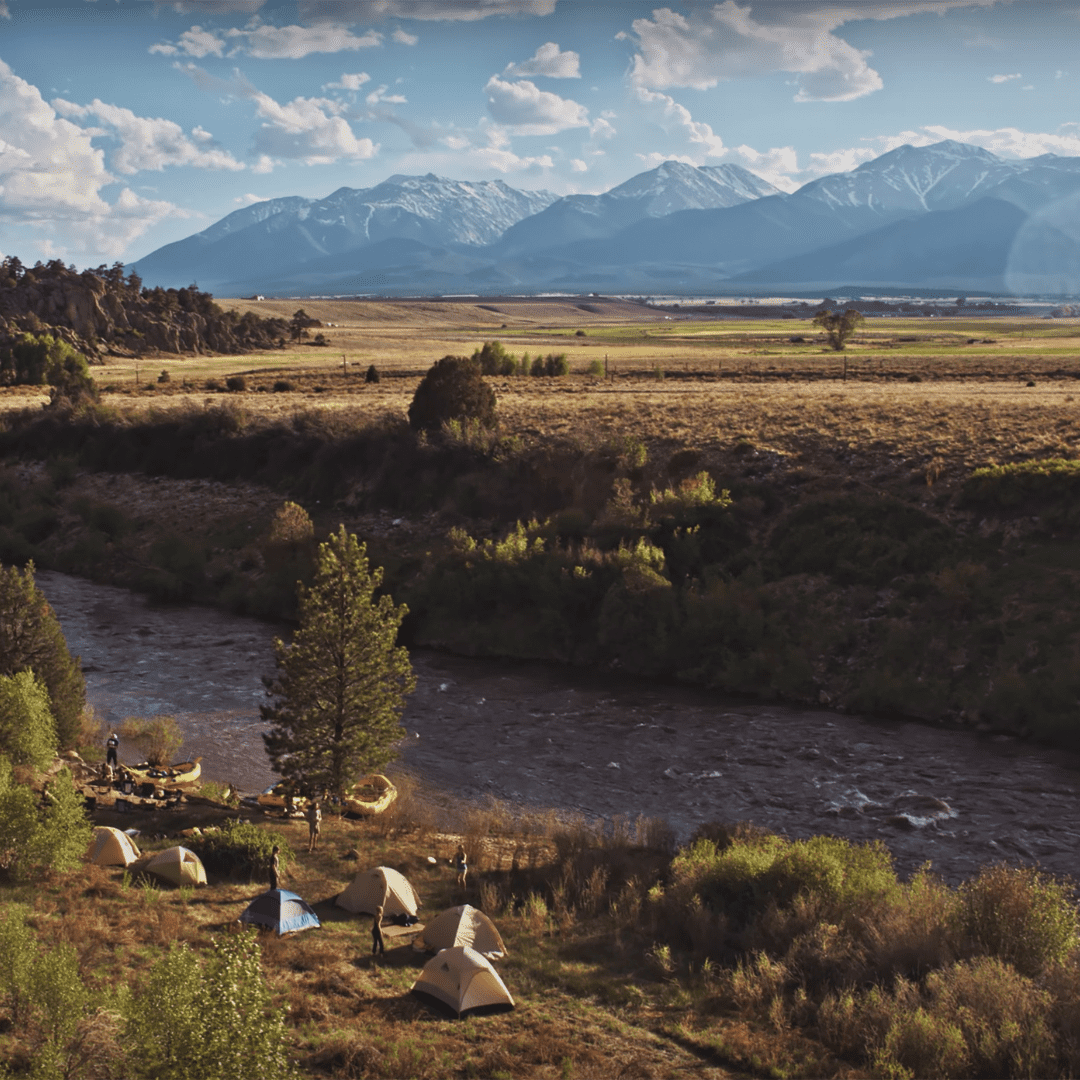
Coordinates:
x,y
1029,87
194,42
437,10
548,60
51,177
676,119
1003,78
264,165
578,165
249,199
380,96
349,82
531,111
150,143
727,42
265,42
5,13
602,129
402,38
778,165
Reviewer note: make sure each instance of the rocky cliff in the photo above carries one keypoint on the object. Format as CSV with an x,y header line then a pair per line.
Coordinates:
x,y
101,311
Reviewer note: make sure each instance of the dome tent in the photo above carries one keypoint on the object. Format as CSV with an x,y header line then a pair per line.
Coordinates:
x,y
111,847
179,866
282,911
384,886
462,980
462,925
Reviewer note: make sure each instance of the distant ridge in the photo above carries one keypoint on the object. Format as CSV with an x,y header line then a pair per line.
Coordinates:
x,y
675,228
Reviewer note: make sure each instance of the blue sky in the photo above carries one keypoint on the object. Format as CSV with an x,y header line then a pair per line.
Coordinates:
x,y
126,124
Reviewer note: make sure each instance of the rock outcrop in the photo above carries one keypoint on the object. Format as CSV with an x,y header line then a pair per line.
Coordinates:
x,y
102,312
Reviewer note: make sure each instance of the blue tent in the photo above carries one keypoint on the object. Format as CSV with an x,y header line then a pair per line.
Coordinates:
x,y
282,911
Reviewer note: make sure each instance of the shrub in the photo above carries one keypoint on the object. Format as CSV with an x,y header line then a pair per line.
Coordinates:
x,y
1016,914
453,389
595,367
283,386
321,340
157,739
236,383
27,729
212,384
372,374
495,360
33,837
212,1020
164,377
1028,486
240,849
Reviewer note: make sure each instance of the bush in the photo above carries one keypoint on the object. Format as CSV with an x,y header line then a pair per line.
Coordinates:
x,y
495,360
596,367
164,377
27,729
453,389
240,849
236,383
1016,914
552,365
372,374
157,739
33,837
214,1020
283,386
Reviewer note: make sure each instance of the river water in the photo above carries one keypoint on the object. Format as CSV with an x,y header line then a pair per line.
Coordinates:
x,y
602,744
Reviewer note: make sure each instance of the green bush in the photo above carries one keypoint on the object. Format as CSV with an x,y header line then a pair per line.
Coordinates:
x,y
595,367
212,1020
495,360
157,739
453,389
27,729
240,849
33,837
1026,487
1016,914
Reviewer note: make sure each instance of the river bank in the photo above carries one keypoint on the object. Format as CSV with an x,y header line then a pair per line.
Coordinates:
x,y
601,744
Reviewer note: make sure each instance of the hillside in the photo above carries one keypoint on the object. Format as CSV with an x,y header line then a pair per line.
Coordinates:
x,y
101,311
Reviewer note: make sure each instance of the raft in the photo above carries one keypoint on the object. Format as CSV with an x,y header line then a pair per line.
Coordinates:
x,y
184,772
370,795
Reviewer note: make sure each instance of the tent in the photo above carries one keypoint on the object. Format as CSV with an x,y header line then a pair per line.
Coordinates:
x,y
111,847
462,925
385,886
178,865
282,911
463,980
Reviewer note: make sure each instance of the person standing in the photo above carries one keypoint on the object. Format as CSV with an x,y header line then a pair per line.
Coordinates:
x,y
275,868
378,944
461,865
112,745
314,816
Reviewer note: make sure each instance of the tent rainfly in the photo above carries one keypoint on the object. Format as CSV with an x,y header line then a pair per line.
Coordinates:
x,y
462,925
461,979
282,911
179,866
111,847
383,885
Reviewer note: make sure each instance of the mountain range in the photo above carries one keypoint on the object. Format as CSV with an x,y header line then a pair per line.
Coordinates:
x,y
949,216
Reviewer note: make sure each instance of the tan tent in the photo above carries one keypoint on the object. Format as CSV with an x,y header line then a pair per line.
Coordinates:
x,y
463,980
179,866
385,886
462,925
111,847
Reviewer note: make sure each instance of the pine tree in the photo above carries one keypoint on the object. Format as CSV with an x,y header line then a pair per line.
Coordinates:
x,y
31,639
341,684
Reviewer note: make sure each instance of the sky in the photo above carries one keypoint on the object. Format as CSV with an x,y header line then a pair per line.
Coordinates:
x,y
128,124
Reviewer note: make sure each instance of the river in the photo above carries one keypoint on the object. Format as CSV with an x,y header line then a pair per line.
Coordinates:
x,y
602,744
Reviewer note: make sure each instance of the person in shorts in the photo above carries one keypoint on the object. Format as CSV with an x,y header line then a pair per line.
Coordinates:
x,y
461,865
378,944
314,817
275,868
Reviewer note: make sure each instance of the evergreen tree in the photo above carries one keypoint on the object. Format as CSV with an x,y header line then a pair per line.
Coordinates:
x,y
342,682
453,389
31,639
